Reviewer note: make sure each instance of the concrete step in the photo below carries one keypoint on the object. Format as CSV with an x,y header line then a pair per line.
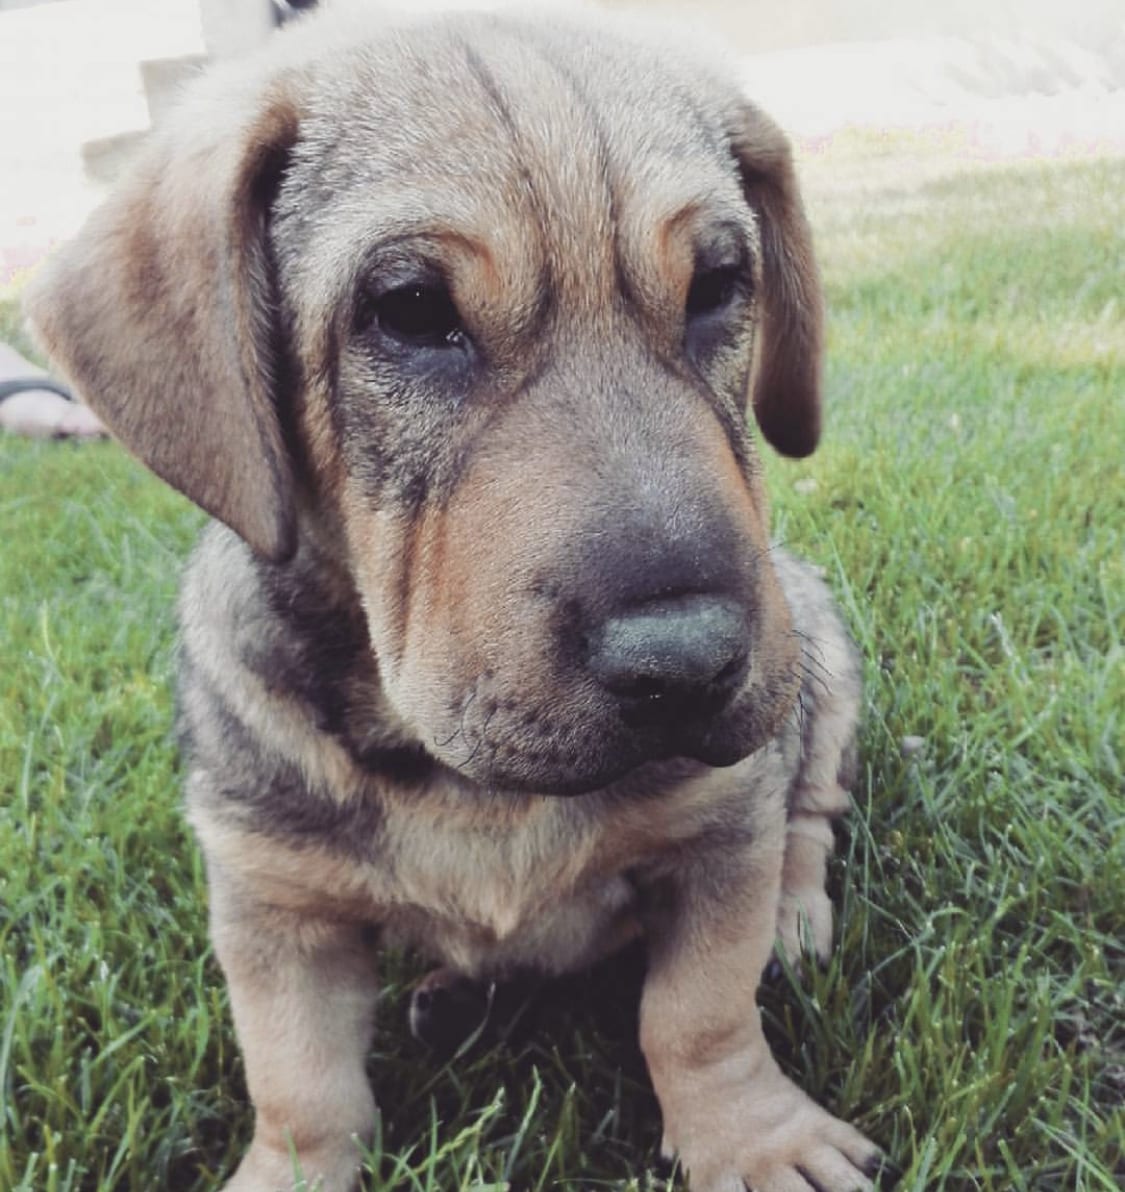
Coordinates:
x,y
103,158
163,80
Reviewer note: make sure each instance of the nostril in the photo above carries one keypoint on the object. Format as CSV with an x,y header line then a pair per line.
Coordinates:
x,y
731,672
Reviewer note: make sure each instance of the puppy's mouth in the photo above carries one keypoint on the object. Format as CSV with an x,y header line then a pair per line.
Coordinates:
x,y
648,730
627,771
669,679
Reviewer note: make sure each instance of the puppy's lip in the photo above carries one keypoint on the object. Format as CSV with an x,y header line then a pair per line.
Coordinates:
x,y
720,753
571,786
531,776
676,715
628,765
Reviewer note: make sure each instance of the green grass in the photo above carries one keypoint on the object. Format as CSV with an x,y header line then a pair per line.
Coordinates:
x,y
969,507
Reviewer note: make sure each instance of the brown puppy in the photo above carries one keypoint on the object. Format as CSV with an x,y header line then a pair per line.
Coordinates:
x,y
452,324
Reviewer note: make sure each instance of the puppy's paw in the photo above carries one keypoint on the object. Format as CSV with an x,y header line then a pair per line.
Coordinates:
x,y
767,1136
447,1009
265,1169
804,924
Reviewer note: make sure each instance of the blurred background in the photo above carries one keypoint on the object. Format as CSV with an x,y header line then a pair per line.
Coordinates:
x,y
82,80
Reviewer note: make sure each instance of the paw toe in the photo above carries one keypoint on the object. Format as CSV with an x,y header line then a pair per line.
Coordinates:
x,y
804,925
882,1171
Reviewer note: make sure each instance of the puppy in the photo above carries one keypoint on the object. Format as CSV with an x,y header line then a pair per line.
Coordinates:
x,y
453,325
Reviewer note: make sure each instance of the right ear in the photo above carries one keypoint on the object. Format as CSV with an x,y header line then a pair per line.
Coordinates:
x,y
786,388
163,312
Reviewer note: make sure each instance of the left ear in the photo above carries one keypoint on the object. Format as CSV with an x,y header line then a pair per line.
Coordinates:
x,y
162,311
786,385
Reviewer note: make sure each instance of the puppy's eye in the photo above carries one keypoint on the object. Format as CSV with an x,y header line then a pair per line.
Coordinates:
x,y
712,290
420,315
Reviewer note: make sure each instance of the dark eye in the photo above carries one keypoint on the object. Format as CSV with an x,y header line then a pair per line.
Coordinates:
x,y
419,314
711,290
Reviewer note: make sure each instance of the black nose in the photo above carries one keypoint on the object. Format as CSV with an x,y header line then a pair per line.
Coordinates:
x,y
671,657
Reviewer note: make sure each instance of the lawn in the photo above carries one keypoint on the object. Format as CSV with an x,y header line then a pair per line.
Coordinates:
x,y
969,508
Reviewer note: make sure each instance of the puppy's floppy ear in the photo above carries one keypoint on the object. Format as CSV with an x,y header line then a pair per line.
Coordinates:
x,y
786,386
163,312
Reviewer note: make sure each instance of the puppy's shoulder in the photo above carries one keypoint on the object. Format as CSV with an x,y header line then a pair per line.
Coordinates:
x,y
831,691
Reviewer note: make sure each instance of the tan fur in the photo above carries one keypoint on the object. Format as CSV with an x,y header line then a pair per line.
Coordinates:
x,y
387,645
181,281
303,993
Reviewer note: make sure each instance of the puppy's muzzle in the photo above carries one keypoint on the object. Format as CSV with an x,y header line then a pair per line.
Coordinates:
x,y
665,661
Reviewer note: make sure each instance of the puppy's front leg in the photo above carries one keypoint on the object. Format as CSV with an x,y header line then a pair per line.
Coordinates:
x,y
731,1115
302,992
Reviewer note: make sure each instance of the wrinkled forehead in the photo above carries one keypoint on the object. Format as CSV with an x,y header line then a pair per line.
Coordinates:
x,y
555,148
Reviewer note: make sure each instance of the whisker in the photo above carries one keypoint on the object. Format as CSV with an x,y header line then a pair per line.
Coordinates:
x,y
459,731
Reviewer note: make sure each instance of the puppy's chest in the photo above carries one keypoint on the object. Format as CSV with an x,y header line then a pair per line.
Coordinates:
x,y
496,897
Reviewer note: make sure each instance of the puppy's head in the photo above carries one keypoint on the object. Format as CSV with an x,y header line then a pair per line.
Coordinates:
x,y
484,303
